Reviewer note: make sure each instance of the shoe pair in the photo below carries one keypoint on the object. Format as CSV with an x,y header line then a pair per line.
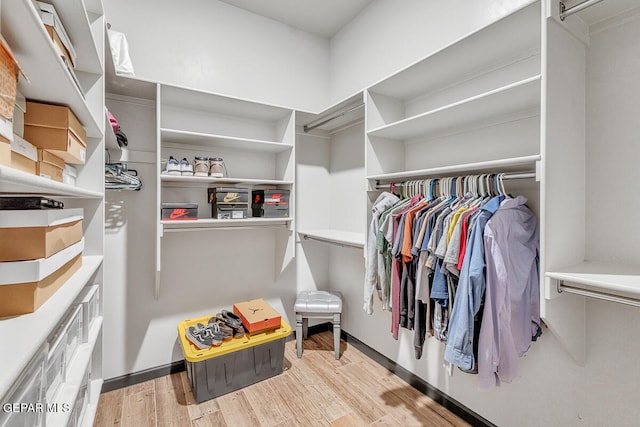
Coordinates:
x,y
203,336
175,167
209,166
231,321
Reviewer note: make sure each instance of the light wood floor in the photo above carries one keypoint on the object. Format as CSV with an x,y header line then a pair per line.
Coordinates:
x,y
316,390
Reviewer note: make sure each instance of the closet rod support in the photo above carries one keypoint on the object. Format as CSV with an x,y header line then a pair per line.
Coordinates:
x,y
326,120
596,294
564,12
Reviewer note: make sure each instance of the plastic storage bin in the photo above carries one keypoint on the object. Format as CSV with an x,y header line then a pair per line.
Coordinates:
x,y
235,364
27,390
72,329
90,300
55,373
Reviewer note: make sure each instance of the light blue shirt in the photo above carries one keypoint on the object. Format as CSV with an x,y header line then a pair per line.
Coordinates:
x,y
459,350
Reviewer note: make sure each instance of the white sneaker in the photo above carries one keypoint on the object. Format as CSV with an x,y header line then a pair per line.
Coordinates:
x,y
173,167
186,168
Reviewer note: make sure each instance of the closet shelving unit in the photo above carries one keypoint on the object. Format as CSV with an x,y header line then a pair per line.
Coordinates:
x,y
50,81
471,107
255,140
330,170
591,131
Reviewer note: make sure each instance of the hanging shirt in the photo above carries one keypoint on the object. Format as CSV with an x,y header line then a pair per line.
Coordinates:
x,y
372,279
512,306
471,286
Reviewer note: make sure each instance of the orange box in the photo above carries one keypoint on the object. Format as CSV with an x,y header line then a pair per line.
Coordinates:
x,y
257,316
22,298
49,165
56,129
9,69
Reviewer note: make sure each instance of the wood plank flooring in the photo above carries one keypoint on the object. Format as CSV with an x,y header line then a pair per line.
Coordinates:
x,y
316,390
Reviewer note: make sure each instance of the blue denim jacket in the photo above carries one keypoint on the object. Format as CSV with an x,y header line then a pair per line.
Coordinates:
x,y
459,349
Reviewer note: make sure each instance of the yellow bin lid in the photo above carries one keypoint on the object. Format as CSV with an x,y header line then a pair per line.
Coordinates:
x,y
194,354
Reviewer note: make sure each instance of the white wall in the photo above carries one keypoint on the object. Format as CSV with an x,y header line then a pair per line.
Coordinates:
x,y
210,45
389,35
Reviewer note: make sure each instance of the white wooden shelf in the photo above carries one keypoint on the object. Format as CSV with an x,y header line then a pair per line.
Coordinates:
x,y
510,101
76,23
210,223
339,237
198,139
71,386
28,331
616,279
178,179
461,60
499,165
203,101
15,181
23,30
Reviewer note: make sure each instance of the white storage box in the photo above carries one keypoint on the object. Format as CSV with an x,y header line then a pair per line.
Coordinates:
x,y
55,371
26,285
90,300
72,331
27,390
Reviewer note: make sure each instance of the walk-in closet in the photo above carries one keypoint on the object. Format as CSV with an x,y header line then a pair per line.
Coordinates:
x,y
319,212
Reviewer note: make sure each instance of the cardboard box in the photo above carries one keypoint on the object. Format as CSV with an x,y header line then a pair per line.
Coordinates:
x,y
56,129
24,155
26,285
18,115
5,151
179,211
9,72
38,233
49,165
270,203
257,315
229,202
234,364
58,45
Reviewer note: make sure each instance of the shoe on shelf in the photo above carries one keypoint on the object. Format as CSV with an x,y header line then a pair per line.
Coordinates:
x,y
231,319
201,166
202,341
186,168
173,167
217,168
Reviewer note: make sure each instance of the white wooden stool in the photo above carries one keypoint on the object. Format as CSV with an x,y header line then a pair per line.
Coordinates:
x,y
318,305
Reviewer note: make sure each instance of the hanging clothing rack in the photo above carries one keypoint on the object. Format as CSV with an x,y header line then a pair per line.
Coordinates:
x,y
325,120
117,176
333,242
564,12
596,294
518,175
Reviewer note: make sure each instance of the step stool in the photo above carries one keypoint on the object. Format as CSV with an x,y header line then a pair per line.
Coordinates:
x,y
318,305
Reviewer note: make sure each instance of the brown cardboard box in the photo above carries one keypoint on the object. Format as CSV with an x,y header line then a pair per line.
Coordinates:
x,y
49,165
24,155
9,69
5,151
24,298
38,242
59,46
56,129
257,315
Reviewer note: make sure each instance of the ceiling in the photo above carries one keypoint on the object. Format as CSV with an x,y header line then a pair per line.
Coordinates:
x,y
321,17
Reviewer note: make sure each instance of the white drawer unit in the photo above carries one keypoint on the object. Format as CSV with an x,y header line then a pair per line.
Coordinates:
x,y
72,330
56,365
24,405
89,299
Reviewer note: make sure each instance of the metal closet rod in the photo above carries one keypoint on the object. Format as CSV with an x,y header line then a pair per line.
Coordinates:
x,y
596,294
518,175
326,120
564,12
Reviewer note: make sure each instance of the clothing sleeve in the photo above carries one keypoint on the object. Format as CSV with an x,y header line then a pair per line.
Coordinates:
x,y
489,341
471,287
371,273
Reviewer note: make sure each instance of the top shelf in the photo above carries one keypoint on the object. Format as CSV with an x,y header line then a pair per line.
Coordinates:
x,y
23,30
221,141
471,55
